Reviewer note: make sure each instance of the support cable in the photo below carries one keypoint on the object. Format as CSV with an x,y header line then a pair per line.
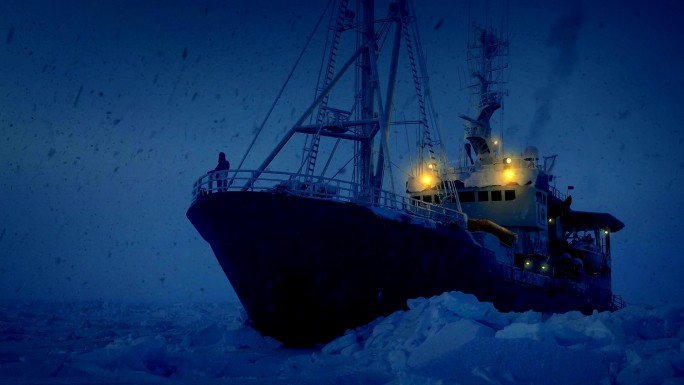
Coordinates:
x,y
282,89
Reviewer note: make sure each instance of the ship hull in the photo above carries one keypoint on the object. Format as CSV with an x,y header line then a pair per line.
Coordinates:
x,y
307,269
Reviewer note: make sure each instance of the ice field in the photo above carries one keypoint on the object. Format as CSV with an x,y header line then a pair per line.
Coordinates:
x,y
448,339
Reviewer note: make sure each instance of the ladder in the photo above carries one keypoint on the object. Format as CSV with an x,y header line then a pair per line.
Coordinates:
x,y
427,140
342,16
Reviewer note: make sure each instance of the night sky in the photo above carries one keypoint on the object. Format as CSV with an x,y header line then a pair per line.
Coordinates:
x,y
110,110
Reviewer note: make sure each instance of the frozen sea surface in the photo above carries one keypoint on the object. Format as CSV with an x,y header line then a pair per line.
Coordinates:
x,y
448,339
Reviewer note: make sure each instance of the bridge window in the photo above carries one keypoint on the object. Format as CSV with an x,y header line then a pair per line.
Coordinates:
x,y
466,196
483,196
496,195
427,198
509,195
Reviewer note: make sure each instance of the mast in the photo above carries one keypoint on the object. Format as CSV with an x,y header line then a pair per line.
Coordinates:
x,y
367,31
485,58
372,116
384,162
371,96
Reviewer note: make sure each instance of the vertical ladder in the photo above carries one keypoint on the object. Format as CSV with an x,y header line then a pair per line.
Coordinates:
x,y
313,151
427,140
329,75
332,59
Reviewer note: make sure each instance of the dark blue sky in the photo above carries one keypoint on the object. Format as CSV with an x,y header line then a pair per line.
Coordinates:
x,y
111,110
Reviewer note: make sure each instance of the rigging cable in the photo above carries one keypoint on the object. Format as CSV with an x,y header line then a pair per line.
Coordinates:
x,y
422,64
320,68
282,89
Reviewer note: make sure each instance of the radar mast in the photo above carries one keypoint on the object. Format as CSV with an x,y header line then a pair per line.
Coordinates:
x,y
486,62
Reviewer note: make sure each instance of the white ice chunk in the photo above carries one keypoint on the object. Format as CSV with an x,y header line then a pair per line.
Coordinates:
x,y
448,339
537,332
346,344
597,330
655,370
468,306
207,336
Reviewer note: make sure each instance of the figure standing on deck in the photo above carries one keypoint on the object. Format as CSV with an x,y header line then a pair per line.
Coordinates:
x,y
223,165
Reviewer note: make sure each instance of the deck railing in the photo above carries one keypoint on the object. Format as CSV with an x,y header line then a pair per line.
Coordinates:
x,y
321,188
618,302
556,193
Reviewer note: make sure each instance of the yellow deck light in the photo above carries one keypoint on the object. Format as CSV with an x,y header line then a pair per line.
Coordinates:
x,y
427,180
508,172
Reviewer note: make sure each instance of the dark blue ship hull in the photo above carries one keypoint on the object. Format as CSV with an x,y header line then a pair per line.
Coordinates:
x,y
308,269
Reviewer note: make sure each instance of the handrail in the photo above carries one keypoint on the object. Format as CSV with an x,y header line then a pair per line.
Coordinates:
x,y
557,194
321,188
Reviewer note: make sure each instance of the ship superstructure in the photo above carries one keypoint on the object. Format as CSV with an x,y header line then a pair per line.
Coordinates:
x,y
541,240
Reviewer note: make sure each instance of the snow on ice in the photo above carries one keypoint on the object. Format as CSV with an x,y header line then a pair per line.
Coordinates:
x,y
447,339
